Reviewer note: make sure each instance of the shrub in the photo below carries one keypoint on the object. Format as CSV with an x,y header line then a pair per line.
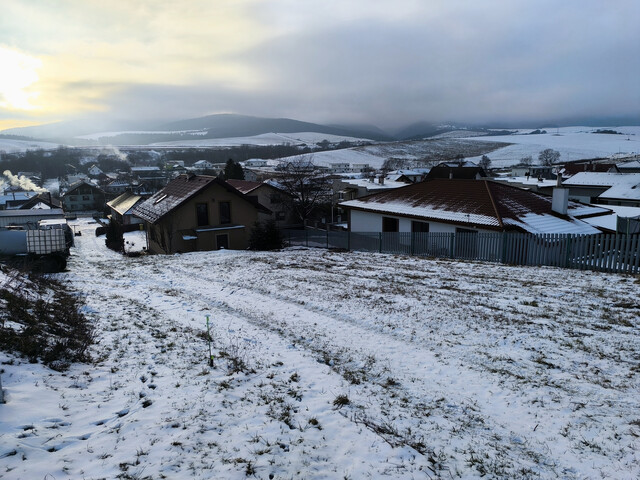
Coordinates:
x,y
115,236
41,320
265,236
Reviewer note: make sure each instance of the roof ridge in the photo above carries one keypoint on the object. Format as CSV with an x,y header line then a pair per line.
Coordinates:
x,y
493,203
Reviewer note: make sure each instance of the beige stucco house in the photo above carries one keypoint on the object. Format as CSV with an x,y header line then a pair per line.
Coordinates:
x,y
196,213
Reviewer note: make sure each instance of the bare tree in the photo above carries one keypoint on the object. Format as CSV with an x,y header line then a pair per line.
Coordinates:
x,y
527,160
548,157
485,163
308,187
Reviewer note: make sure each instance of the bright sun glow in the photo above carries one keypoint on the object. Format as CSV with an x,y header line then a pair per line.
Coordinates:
x,y
18,73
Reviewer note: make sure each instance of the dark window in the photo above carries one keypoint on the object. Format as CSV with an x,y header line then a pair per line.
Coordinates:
x,y
465,230
225,212
389,224
222,241
419,227
202,214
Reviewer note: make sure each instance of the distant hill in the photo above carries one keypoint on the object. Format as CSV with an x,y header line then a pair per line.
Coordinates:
x,y
421,130
231,125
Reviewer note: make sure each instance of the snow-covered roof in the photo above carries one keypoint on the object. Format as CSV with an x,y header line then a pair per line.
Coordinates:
x,y
633,164
630,191
125,202
479,203
602,179
375,184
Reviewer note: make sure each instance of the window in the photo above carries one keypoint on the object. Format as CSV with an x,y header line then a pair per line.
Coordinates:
x,y
202,214
281,216
225,212
389,224
419,227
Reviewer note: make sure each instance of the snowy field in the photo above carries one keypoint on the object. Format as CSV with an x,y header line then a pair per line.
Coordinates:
x,y
300,138
419,153
333,365
11,146
573,143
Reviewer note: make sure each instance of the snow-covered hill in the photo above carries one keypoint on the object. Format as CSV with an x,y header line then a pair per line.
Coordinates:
x,y
332,365
573,143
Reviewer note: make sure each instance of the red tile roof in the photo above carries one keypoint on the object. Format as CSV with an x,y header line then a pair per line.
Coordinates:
x,y
486,203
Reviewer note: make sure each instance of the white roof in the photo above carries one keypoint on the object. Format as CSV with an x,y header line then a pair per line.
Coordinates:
x,y
546,223
365,182
602,179
627,192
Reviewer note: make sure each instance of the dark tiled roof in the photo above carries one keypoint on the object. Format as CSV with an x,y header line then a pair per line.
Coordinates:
x,y
573,168
178,191
74,186
41,198
244,186
447,170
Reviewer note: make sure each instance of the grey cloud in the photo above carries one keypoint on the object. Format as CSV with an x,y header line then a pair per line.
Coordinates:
x,y
495,61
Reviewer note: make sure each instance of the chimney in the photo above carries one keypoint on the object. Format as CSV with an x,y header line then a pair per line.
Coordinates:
x,y
560,199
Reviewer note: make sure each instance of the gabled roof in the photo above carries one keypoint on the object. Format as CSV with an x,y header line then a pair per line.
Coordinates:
x,y
41,198
74,186
244,186
180,190
575,168
123,203
482,203
467,170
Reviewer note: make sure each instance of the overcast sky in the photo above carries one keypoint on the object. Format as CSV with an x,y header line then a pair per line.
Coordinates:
x,y
381,62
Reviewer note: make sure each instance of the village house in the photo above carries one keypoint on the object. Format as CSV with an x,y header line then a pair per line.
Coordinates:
x,y
198,213
82,196
606,188
42,200
457,170
268,195
467,206
12,199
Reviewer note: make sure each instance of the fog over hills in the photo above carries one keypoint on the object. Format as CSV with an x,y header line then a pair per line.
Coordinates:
x,y
91,131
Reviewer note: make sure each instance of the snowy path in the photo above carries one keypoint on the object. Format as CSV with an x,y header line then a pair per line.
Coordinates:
x,y
450,370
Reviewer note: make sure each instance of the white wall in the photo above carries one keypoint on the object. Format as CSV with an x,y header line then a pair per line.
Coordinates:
x,y
372,222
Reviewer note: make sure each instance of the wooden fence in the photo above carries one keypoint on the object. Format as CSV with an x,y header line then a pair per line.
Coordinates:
x,y
606,253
